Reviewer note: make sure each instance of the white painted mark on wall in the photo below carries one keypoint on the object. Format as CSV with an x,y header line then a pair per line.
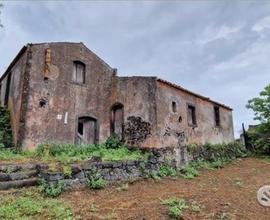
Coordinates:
x,y
66,118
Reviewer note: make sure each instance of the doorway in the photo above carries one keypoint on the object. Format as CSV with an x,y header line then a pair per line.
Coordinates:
x,y
86,130
117,120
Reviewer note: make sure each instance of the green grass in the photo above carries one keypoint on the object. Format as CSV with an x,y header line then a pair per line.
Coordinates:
x,y
66,153
32,205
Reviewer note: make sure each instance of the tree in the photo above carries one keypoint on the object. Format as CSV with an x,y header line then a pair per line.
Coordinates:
x,y
261,106
260,137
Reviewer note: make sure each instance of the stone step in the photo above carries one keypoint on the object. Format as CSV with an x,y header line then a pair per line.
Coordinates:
x,y
17,176
12,168
18,183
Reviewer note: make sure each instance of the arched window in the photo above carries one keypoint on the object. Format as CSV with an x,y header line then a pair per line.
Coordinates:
x,y
117,120
87,130
78,72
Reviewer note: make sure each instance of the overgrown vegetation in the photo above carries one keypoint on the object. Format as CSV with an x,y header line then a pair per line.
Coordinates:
x,y
69,153
6,140
32,205
214,152
259,137
95,179
52,189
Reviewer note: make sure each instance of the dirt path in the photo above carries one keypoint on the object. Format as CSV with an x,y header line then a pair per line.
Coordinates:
x,y
228,193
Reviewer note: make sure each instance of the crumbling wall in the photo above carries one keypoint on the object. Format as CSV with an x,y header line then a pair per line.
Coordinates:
x,y
56,101
172,120
16,73
137,94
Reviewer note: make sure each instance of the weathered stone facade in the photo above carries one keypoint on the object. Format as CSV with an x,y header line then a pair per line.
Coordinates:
x,y
64,93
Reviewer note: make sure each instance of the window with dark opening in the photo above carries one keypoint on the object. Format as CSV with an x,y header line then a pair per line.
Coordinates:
x,y
217,116
78,72
192,115
86,131
174,107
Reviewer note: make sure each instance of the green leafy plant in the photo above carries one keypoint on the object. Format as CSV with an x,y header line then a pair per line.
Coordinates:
x,y
52,189
6,138
32,205
67,170
167,169
95,179
176,207
190,171
259,138
113,142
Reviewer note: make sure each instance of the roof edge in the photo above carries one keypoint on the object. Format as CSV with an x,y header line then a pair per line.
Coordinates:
x,y
14,61
193,93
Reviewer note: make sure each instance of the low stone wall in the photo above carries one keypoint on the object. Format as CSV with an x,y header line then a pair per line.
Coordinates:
x,y
16,176
117,171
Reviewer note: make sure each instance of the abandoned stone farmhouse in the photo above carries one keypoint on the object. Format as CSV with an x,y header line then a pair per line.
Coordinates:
x,y
64,93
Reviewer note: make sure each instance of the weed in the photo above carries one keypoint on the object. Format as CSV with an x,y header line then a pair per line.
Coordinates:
x,y
32,205
67,170
176,207
52,189
238,182
95,179
111,216
93,207
123,187
190,171
167,170
195,207
113,142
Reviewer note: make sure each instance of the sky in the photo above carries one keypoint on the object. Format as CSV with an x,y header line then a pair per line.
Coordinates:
x,y
220,49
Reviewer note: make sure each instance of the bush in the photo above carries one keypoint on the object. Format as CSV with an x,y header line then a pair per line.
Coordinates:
x,y
6,139
95,179
259,139
213,152
52,189
113,142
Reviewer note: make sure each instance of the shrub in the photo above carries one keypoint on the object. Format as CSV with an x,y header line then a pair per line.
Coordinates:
x,y
6,139
213,152
95,179
259,139
113,142
52,189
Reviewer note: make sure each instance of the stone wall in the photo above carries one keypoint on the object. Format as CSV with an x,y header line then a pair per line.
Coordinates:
x,y
116,171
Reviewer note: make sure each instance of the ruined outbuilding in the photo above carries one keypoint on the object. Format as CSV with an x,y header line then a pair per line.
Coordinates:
x,y
64,93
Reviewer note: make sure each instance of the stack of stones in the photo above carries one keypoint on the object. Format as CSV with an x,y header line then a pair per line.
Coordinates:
x,y
17,176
